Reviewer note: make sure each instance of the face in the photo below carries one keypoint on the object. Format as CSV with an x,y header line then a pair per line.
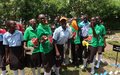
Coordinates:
x,y
93,21
98,20
63,23
52,27
12,25
82,17
42,19
85,19
32,22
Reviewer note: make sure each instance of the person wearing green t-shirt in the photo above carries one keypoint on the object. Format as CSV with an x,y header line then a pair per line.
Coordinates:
x,y
31,45
75,47
93,43
101,42
44,33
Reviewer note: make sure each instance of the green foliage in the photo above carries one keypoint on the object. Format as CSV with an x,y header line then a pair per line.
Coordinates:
x,y
15,9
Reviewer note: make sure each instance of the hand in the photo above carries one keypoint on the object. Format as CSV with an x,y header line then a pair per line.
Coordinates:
x,y
43,39
73,35
57,54
58,57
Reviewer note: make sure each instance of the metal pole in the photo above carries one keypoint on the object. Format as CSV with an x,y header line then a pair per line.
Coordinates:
x,y
116,59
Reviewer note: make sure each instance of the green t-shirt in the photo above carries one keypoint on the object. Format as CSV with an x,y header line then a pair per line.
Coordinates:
x,y
77,37
94,41
101,34
45,47
29,34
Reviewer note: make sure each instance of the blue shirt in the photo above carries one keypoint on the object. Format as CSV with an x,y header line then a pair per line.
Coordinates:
x,y
81,24
61,35
84,28
1,37
13,40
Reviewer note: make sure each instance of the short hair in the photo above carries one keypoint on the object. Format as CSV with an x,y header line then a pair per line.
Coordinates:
x,y
10,22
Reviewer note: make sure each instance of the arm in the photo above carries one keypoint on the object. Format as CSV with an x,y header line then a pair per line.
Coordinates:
x,y
26,37
55,38
56,48
68,44
7,52
25,46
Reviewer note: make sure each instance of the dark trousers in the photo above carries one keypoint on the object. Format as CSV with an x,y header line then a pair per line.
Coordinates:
x,y
2,56
33,61
47,60
16,57
76,54
92,52
58,60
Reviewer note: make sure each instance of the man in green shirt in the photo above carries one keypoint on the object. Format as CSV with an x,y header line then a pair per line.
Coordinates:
x,y
31,45
45,35
101,39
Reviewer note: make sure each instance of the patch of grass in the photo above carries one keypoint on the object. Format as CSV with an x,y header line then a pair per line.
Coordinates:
x,y
114,43
111,55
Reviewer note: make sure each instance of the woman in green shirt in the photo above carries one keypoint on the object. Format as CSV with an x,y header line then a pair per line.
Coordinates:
x,y
101,43
45,35
31,45
93,44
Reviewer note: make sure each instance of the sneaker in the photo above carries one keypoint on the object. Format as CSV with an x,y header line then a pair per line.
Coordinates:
x,y
64,64
97,66
110,73
83,68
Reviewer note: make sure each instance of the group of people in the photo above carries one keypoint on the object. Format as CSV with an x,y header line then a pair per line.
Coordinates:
x,y
42,45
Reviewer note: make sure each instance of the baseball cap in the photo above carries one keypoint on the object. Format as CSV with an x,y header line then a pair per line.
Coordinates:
x,y
63,18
